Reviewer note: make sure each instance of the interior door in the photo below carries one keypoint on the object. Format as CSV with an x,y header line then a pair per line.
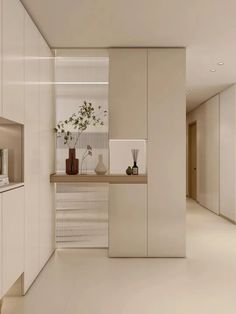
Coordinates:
x,y
192,158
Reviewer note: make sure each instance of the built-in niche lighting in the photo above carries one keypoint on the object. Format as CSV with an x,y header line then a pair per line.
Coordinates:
x,y
220,63
212,70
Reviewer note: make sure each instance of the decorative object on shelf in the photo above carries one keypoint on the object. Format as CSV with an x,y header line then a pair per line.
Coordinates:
x,y
135,158
4,180
72,163
129,171
88,152
4,161
100,168
72,128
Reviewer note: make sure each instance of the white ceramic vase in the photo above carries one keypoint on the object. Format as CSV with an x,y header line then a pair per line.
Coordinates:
x,y
100,168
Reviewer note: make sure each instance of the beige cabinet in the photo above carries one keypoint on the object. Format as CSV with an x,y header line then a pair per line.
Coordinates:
x,y
47,143
32,149
1,63
149,84
27,98
128,220
13,60
1,293
39,153
12,237
128,93
166,152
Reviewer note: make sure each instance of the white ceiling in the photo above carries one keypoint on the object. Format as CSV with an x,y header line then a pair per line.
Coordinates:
x,y
206,27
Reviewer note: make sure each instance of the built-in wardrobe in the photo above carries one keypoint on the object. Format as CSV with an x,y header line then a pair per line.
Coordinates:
x,y
147,102
26,119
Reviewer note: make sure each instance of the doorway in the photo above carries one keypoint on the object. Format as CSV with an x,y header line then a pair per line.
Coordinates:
x,y
192,160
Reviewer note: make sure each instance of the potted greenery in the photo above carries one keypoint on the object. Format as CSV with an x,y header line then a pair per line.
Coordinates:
x,y
72,128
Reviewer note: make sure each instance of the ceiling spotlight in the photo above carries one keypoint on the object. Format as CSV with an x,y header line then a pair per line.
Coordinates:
x,y
213,70
220,63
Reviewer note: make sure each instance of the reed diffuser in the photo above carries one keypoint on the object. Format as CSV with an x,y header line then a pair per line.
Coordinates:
x,y
135,159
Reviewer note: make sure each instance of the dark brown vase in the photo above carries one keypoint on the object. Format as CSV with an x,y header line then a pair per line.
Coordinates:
x,y
72,163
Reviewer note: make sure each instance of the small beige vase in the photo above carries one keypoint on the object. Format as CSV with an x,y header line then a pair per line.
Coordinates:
x,y
100,168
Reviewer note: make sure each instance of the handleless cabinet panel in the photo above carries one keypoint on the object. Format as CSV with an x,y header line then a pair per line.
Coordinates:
x,y
12,237
166,152
31,146
128,93
1,294
47,142
128,220
13,60
1,59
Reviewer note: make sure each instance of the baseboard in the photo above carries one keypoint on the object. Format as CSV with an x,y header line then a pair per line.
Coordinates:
x,y
230,220
26,291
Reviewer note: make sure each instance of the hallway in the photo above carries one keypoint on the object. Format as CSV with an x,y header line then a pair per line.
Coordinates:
x,y
87,282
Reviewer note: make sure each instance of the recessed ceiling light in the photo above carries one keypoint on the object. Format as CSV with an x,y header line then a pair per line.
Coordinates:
x,y
220,63
213,70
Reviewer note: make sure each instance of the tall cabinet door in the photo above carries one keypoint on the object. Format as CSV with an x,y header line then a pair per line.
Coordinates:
x,y
47,142
1,293
0,71
31,147
12,237
13,60
128,220
166,152
128,93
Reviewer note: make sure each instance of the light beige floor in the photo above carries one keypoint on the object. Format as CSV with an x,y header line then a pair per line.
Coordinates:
x,y
87,282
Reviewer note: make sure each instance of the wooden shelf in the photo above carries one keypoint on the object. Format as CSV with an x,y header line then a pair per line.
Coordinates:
x,y
93,178
11,186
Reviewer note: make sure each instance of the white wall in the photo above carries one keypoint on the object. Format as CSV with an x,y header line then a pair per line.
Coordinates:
x,y
208,170
228,153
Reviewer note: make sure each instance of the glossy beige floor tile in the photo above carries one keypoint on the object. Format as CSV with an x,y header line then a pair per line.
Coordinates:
x,y
87,282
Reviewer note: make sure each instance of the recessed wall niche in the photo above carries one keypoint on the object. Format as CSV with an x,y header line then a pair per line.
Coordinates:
x,y
12,138
121,156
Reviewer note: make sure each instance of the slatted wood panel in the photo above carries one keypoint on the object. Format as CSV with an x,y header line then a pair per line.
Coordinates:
x,y
82,215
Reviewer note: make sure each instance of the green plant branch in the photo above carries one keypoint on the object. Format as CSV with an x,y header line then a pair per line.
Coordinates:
x,y
79,122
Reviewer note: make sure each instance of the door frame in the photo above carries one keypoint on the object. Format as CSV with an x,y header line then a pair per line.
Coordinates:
x,y
189,172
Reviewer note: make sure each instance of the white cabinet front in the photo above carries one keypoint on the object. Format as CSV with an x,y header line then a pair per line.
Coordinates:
x,y
166,152
39,149
128,94
1,246
1,63
47,140
13,60
31,147
128,220
12,237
